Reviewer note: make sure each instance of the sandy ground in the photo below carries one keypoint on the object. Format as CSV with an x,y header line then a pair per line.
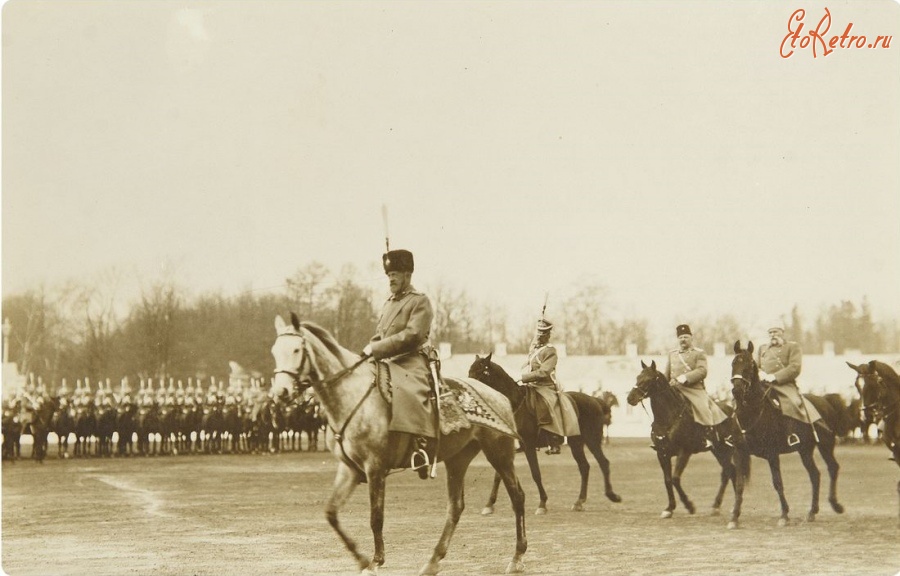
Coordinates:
x,y
261,514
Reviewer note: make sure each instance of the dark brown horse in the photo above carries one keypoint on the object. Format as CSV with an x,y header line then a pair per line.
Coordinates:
x,y
879,388
677,435
591,419
767,433
307,355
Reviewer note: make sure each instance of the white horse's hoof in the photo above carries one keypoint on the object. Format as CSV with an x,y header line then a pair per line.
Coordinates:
x,y
715,512
578,507
487,510
782,522
732,525
540,511
515,567
369,572
666,514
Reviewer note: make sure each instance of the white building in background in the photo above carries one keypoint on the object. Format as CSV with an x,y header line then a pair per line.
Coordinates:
x,y
821,374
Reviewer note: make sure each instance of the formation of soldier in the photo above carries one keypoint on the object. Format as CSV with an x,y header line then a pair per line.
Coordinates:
x,y
158,414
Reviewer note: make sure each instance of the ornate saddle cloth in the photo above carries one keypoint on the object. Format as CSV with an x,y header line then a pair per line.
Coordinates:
x,y
464,402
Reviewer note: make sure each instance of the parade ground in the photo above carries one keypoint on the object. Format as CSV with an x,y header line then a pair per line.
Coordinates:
x,y
263,514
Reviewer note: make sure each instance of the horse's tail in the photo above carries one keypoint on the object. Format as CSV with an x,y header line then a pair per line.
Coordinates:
x,y
843,422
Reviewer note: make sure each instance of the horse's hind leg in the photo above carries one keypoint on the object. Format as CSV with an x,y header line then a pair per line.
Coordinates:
x,y
826,450
576,445
815,478
597,450
492,499
681,462
456,474
501,456
345,482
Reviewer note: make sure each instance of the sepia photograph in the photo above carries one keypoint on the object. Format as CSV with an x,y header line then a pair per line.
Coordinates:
x,y
482,287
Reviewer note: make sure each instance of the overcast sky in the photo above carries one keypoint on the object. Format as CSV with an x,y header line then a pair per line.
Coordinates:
x,y
663,149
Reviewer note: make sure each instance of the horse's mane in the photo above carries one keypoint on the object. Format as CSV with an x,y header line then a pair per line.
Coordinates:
x,y
325,337
888,374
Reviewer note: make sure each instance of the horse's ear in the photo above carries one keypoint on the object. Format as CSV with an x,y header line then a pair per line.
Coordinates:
x,y
854,367
295,321
737,346
488,357
279,323
653,364
477,358
872,366
750,347
644,366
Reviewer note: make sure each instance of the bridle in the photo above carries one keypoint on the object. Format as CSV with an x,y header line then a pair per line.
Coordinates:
x,y
881,405
313,377
646,393
750,384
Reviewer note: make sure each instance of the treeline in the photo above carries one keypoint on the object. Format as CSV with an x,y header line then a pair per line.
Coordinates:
x,y
85,330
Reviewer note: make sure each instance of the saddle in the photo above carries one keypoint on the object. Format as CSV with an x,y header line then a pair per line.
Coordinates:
x,y
463,402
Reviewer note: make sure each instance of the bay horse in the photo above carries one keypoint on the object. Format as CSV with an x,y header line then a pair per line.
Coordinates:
x,y
679,436
765,432
591,419
126,426
63,425
37,422
306,355
12,430
880,394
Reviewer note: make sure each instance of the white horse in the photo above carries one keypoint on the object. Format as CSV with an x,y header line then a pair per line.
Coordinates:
x,y
358,414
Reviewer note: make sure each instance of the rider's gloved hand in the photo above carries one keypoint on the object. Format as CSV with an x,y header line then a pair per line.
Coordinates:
x,y
681,379
367,351
766,377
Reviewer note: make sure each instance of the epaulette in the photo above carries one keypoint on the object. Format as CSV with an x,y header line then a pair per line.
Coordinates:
x,y
697,349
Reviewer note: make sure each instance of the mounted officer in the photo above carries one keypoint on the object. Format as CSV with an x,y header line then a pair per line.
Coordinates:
x,y
780,362
686,369
402,336
539,374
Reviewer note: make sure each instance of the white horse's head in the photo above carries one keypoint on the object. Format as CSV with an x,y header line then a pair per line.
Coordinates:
x,y
289,351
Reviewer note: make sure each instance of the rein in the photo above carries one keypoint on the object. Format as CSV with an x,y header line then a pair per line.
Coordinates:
x,y
762,403
676,420
299,385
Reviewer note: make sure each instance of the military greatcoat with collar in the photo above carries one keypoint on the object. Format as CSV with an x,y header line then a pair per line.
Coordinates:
x,y
784,363
691,364
402,331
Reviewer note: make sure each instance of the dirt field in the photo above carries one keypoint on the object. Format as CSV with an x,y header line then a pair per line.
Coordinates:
x,y
199,515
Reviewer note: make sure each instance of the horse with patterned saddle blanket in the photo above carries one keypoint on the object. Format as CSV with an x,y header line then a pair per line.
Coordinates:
x,y
357,407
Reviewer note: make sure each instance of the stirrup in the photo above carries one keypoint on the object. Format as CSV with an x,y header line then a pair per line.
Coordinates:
x,y
793,439
422,455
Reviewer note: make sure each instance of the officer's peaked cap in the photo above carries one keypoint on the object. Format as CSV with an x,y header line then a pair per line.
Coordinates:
x,y
777,324
398,261
682,329
544,325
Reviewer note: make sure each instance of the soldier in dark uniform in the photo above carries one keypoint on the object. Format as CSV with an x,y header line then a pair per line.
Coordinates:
x,y
686,369
539,372
780,362
402,336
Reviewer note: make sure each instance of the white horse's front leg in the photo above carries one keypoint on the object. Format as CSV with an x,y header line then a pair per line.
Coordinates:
x,y
345,482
